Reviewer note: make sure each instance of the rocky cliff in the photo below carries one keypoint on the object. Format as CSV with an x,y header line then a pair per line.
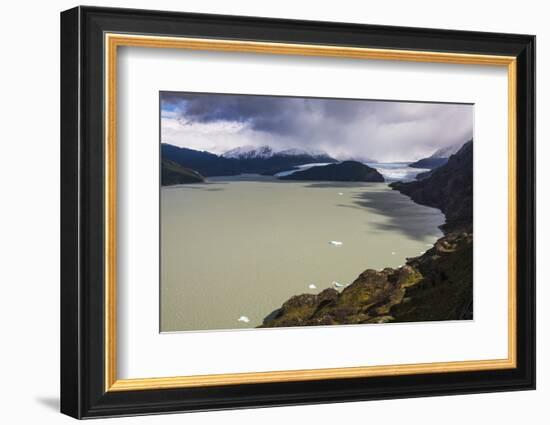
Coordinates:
x,y
438,285
449,188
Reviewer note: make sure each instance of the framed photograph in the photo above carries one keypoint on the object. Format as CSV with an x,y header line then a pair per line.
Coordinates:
x,y
261,212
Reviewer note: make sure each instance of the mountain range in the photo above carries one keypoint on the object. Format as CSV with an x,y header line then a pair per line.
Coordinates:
x,y
242,160
267,161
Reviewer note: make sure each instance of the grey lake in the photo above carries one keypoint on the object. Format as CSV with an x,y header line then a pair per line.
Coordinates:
x,y
233,249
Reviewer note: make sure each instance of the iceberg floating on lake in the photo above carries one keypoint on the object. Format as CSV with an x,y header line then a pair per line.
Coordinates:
x,y
337,285
340,193
243,319
312,286
336,243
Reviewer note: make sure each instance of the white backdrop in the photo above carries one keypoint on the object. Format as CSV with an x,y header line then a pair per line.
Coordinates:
x,y
29,175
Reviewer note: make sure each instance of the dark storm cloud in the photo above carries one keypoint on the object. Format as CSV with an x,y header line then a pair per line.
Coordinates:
x,y
270,114
340,126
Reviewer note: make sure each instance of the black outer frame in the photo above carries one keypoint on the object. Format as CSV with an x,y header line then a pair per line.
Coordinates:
x,y
82,206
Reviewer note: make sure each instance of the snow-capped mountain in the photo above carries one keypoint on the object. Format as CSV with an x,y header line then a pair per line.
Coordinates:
x,y
254,152
301,152
249,152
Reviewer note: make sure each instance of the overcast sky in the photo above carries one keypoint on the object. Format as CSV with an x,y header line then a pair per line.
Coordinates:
x,y
383,131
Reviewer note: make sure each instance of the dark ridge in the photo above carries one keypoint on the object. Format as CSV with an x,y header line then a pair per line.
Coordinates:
x,y
449,188
173,173
205,163
349,171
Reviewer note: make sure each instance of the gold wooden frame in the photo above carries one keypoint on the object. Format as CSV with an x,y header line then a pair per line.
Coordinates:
x,y
113,41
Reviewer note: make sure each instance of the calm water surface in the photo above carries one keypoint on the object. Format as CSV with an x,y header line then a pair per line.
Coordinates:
x,y
241,246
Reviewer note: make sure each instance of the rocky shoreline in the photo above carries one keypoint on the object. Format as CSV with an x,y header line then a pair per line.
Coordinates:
x,y
438,285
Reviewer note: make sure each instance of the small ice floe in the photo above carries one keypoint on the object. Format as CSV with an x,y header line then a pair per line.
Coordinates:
x,y
243,319
337,285
422,252
312,286
340,193
336,243
393,253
